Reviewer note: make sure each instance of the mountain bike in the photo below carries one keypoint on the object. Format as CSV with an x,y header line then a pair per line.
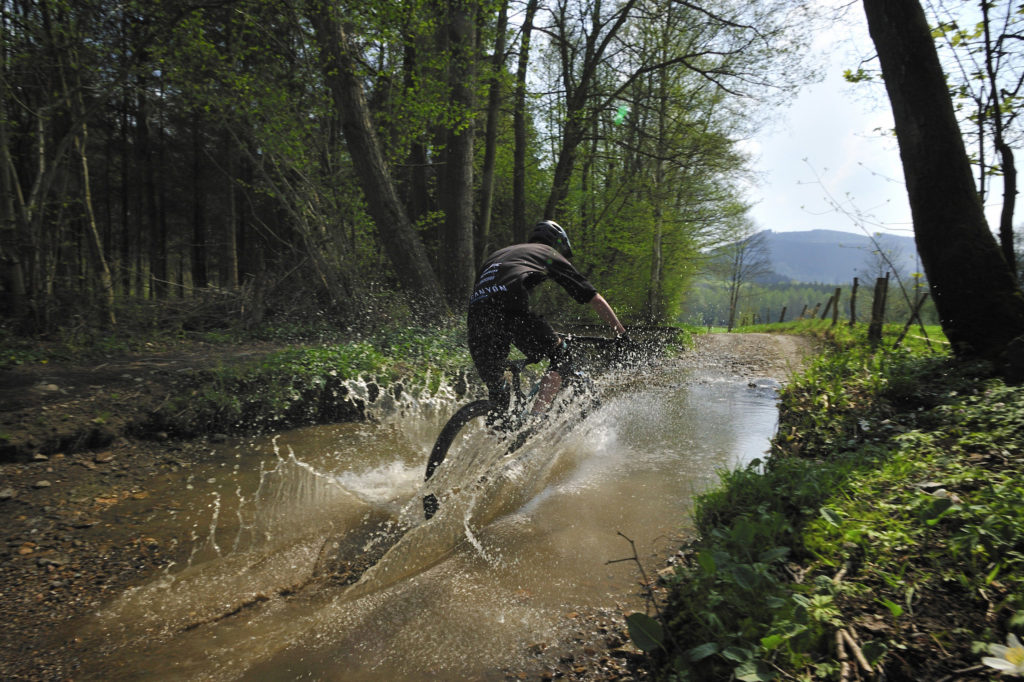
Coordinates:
x,y
515,424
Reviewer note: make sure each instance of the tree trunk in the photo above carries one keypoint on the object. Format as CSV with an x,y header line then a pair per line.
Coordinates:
x,y
106,281
229,260
979,305
400,241
1005,151
572,136
157,240
456,259
519,125
200,276
483,233
12,276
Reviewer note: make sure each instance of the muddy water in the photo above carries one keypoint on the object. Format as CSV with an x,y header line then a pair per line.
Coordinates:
x,y
280,528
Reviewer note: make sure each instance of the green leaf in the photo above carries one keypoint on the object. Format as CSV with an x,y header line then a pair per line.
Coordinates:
x,y
874,651
737,654
773,554
754,671
745,577
830,515
645,632
701,652
772,642
707,562
895,609
936,509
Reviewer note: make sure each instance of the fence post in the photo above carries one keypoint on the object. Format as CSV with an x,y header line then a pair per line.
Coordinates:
x,y
878,309
782,315
835,308
853,302
828,307
914,314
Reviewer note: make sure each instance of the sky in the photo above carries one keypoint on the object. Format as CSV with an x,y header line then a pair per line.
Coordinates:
x,y
829,161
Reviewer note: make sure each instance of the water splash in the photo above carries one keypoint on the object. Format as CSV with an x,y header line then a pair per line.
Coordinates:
x,y
528,532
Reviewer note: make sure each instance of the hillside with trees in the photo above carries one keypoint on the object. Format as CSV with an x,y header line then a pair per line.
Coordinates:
x,y
784,276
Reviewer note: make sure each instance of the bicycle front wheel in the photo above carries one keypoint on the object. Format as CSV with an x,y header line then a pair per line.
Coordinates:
x,y
463,416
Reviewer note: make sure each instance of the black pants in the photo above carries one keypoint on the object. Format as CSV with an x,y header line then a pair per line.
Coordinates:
x,y
493,330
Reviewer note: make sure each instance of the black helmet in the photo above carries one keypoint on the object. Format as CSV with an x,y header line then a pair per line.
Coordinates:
x,y
551,233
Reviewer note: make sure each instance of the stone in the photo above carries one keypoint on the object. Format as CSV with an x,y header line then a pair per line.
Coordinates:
x,y
103,457
42,484
8,493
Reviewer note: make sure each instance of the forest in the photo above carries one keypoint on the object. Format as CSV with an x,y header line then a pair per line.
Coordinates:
x,y
185,163
181,164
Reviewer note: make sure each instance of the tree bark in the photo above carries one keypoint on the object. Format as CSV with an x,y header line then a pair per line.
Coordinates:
x,y
456,259
200,274
106,281
483,233
1009,167
578,91
519,125
979,305
400,241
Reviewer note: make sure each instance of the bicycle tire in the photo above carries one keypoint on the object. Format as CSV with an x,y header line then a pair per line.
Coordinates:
x,y
462,416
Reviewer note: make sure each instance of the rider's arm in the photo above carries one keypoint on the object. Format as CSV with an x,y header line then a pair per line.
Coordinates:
x,y
606,313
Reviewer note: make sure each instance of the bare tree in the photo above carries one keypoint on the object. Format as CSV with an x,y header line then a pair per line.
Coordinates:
x,y
745,259
979,304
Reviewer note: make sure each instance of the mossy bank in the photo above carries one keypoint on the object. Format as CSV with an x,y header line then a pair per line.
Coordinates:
x,y
883,537
51,404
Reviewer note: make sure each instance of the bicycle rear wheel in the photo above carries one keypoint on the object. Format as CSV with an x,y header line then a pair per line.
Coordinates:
x,y
463,416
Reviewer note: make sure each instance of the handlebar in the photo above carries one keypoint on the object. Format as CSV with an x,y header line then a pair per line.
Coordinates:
x,y
589,340
517,366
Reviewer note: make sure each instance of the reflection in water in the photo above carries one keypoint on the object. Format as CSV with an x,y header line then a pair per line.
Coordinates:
x,y
520,545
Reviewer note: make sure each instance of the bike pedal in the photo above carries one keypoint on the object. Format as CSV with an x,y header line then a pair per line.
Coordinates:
x,y
430,505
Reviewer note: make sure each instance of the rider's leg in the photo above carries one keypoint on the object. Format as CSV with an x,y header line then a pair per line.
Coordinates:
x,y
489,343
550,384
536,338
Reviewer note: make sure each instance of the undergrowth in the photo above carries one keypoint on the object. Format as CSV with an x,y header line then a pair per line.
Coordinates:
x,y
303,385
882,538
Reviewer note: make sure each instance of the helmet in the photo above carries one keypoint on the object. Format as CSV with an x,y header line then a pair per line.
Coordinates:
x,y
551,233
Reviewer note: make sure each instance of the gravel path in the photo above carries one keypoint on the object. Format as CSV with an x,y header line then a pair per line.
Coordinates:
x,y
69,542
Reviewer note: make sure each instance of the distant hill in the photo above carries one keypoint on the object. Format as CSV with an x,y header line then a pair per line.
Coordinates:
x,y
833,257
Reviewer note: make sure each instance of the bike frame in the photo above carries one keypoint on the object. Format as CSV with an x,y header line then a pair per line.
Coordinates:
x,y
512,418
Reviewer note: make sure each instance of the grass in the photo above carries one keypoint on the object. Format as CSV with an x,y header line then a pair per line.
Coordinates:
x,y
303,385
888,512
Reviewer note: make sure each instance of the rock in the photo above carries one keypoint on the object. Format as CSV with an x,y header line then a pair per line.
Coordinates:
x,y
39,457
627,654
42,484
8,493
104,457
52,560
666,574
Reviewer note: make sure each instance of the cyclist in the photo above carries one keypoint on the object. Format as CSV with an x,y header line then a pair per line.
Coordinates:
x,y
499,313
